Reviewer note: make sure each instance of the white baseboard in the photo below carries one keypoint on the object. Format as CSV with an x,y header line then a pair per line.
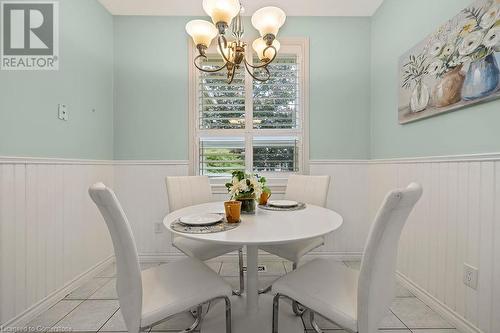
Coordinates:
x,y
461,324
44,304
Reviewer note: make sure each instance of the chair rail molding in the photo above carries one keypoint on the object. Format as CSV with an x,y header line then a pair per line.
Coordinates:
x,y
421,159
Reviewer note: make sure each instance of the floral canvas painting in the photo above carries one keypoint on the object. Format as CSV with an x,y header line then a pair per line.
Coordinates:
x,y
455,67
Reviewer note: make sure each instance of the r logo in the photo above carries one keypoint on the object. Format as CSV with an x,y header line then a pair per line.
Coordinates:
x,y
28,29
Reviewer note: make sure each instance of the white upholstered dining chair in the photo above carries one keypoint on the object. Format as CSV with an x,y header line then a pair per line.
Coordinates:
x,y
187,191
308,189
153,295
356,301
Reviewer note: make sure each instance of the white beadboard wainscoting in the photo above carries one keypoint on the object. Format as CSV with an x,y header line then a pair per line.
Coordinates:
x,y
51,236
140,187
456,222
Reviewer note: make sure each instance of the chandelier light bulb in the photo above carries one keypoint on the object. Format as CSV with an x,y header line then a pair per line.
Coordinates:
x,y
259,45
221,10
201,31
268,20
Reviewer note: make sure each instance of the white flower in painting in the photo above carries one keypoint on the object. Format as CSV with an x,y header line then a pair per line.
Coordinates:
x,y
490,17
436,49
455,62
436,67
467,28
492,38
470,43
466,60
448,50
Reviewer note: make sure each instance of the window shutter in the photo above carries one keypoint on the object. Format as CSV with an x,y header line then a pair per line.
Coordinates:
x,y
276,101
275,154
220,156
221,105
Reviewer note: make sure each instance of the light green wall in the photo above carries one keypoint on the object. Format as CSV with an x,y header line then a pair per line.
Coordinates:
x,y
151,80
396,27
28,99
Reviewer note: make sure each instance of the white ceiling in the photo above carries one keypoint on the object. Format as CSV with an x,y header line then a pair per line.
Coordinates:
x,y
291,7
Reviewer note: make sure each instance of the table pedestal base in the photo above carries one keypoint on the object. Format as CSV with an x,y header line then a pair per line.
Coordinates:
x,y
244,321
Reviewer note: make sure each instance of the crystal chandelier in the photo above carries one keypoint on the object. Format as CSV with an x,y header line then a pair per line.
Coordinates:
x,y
267,21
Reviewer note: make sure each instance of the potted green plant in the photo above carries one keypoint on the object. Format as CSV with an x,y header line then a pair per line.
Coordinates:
x,y
246,188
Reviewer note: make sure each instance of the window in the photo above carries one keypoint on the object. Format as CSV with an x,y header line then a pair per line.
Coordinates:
x,y
250,125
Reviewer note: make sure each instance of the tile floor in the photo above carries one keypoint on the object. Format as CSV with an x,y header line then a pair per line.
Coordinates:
x,y
94,307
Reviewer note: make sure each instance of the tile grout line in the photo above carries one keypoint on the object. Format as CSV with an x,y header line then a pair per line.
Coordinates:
x,y
409,329
67,314
108,319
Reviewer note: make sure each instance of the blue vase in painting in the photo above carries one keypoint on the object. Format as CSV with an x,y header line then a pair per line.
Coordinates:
x,y
482,78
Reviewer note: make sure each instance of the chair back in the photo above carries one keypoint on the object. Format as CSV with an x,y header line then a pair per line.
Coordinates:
x,y
309,189
378,267
187,191
128,277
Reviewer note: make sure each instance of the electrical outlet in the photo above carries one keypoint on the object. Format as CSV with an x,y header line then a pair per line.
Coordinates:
x,y
63,112
158,228
470,276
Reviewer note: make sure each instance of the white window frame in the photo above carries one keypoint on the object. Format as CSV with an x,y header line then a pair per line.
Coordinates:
x,y
298,46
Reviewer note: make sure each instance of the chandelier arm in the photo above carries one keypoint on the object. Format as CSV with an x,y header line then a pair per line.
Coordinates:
x,y
254,76
264,65
231,75
221,49
207,70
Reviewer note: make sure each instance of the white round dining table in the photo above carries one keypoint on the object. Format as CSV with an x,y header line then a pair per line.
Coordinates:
x,y
252,312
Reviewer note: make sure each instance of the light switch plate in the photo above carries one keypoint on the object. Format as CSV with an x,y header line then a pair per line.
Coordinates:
x,y
63,112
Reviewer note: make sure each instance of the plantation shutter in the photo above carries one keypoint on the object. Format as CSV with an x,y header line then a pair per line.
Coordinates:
x,y
275,154
219,156
221,105
276,101
250,125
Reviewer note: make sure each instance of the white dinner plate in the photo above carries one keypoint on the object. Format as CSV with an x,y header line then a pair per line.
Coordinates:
x,y
203,219
283,203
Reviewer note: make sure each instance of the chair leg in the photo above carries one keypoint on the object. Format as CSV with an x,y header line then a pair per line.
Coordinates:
x,y
199,312
297,309
242,277
276,305
265,290
228,314
314,324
